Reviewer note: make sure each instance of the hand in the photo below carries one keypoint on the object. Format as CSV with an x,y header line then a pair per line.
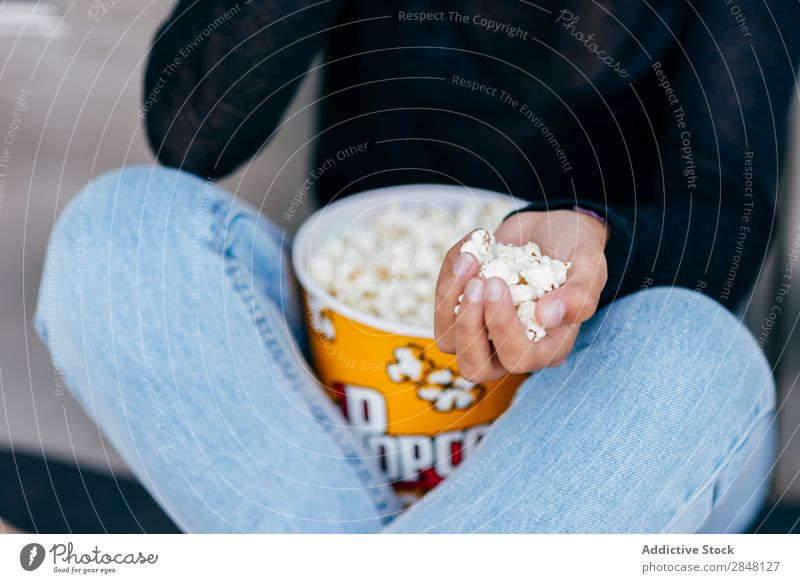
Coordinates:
x,y
486,335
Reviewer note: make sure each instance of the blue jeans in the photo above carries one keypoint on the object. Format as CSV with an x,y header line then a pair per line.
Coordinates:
x,y
169,308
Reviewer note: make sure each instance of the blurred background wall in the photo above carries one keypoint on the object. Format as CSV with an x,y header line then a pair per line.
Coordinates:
x,y
77,69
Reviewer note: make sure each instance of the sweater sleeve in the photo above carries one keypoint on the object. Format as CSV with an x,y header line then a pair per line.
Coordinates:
x,y
725,98
221,73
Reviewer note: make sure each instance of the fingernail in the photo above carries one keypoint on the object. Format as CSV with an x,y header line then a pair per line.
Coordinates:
x,y
494,290
474,290
552,314
462,264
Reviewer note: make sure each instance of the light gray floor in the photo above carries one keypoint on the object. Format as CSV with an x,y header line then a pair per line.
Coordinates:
x,y
84,91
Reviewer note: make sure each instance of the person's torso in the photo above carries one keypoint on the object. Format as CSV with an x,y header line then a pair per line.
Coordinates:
x,y
533,99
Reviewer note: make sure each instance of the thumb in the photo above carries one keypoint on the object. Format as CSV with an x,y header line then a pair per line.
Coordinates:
x,y
573,302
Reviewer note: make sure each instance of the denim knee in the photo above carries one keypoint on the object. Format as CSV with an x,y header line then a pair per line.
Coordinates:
x,y
709,384
688,337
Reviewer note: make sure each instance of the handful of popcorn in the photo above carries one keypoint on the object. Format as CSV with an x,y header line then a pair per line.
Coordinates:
x,y
528,273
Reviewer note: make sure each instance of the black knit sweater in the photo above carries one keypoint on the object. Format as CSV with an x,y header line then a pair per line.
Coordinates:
x,y
667,117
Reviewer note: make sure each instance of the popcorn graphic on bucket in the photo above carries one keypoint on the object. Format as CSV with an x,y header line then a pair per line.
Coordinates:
x,y
368,265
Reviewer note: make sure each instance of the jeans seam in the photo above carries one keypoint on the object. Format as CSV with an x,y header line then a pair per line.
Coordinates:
x,y
242,286
717,470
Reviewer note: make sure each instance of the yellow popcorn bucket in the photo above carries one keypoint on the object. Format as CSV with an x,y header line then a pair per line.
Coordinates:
x,y
395,387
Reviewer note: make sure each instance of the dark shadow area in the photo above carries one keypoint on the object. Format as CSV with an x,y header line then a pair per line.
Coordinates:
x,y
779,519
39,495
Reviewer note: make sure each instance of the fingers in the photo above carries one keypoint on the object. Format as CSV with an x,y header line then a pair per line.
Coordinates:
x,y
505,328
514,350
476,361
575,301
457,269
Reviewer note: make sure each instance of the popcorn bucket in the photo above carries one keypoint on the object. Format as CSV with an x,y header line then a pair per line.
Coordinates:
x,y
404,396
